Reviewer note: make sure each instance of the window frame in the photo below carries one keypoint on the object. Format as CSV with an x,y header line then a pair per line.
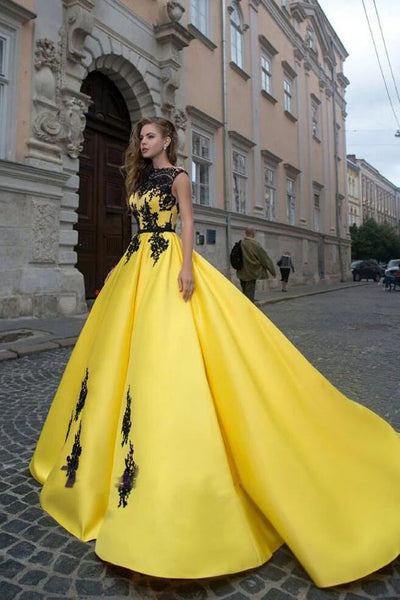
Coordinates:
x,y
196,15
288,94
270,208
237,34
316,211
291,201
200,162
240,206
266,75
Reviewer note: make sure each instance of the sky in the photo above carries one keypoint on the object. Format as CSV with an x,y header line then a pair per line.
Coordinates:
x,y
370,124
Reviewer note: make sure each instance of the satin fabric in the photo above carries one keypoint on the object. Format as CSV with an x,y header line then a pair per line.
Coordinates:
x,y
239,443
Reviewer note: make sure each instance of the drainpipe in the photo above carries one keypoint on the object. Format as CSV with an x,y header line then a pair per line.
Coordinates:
x,y
336,157
227,206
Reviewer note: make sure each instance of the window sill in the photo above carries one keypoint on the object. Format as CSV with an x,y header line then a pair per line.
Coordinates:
x,y
268,97
201,36
290,116
239,70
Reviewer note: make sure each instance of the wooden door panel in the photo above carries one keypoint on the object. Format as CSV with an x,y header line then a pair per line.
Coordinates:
x,y
103,224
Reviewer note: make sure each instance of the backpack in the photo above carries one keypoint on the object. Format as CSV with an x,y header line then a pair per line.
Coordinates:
x,y
236,256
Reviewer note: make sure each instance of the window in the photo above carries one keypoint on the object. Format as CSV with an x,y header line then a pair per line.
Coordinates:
x,y
201,168
237,29
315,120
200,15
266,74
270,193
288,95
291,201
4,86
310,39
317,212
239,164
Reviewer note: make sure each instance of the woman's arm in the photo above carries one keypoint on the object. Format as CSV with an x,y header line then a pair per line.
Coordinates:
x,y
182,191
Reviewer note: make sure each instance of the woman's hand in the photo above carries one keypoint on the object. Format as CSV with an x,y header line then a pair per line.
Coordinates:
x,y
186,283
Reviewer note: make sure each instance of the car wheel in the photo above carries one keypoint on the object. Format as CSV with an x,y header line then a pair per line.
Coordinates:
x,y
357,277
377,277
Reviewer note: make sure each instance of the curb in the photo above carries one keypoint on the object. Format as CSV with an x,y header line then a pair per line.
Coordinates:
x,y
309,293
54,344
24,350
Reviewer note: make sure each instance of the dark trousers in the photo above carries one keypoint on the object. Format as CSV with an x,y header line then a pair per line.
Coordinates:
x,y
248,288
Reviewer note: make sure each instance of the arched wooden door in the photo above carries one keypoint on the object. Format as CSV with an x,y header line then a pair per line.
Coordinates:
x,y
103,224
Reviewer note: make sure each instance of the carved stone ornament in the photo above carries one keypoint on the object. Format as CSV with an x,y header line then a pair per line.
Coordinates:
x,y
73,121
175,10
78,23
46,55
179,118
47,126
45,233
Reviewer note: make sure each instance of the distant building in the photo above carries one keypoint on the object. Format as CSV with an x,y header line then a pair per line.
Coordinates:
x,y
353,191
256,90
371,194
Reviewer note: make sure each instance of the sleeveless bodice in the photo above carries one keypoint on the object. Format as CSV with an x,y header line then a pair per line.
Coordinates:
x,y
156,210
153,204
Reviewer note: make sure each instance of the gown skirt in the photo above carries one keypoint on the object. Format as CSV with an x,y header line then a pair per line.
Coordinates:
x,y
193,439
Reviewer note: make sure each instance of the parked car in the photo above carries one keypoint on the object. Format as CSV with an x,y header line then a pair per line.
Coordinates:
x,y
366,269
392,266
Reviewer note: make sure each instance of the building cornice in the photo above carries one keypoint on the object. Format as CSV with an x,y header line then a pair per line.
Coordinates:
x,y
16,11
198,114
240,139
270,156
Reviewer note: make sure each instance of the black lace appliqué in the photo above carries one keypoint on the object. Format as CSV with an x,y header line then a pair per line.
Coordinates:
x,y
133,247
158,245
128,478
73,459
82,396
126,421
69,425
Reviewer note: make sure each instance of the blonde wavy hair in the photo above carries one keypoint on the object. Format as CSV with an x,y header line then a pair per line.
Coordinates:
x,y
137,167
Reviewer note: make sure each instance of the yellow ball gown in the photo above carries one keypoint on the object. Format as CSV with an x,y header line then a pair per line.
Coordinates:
x,y
193,439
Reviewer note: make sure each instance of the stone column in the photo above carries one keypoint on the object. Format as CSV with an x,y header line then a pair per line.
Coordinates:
x,y
172,37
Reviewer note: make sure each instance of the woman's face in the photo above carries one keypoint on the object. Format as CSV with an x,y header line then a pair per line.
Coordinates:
x,y
152,143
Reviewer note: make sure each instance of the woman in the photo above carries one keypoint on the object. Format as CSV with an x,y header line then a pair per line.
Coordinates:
x,y
187,451
285,264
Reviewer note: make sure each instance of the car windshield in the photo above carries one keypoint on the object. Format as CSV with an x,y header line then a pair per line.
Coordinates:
x,y
395,262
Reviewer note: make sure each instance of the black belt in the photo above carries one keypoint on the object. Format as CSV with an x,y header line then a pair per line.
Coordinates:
x,y
156,230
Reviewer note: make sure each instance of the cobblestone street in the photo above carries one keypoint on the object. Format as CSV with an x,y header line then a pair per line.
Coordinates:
x,y
350,335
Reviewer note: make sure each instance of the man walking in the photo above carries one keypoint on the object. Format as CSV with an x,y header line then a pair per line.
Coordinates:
x,y
256,264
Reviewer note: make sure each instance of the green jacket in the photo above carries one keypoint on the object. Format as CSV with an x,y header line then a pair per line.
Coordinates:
x,y
256,262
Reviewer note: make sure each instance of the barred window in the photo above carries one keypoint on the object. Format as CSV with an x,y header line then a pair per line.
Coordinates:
x,y
317,212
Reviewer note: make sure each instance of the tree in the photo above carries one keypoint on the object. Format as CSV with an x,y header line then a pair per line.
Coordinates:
x,y
374,240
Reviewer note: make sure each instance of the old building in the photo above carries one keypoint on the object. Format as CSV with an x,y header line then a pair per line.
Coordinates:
x,y
353,192
256,90
370,194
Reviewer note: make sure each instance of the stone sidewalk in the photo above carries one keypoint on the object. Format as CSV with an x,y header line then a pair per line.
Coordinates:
x,y
349,335
27,335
